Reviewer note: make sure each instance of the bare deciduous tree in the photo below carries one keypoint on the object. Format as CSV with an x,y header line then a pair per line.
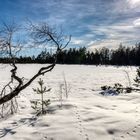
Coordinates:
x,y
41,34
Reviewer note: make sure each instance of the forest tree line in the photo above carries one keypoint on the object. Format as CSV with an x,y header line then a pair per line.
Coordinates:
x,y
104,56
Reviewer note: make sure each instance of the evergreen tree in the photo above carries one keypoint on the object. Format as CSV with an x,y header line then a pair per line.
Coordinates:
x,y
41,104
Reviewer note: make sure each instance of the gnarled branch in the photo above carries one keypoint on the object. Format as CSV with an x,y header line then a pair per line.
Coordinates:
x,y
42,34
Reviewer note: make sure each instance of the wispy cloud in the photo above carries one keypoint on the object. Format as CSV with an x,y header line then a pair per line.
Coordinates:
x,y
137,22
93,23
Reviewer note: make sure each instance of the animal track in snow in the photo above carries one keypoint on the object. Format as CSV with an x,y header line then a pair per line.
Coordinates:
x,y
82,129
134,130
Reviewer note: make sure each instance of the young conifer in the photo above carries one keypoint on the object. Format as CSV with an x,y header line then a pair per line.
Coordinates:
x,y
41,104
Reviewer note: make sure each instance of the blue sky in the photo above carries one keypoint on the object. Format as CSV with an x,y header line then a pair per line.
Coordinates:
x,y
92,23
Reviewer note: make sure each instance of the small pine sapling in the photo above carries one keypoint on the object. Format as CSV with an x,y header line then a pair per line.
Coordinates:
x,y
40,105
137,79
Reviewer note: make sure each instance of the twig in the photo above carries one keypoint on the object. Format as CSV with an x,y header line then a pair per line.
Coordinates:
x,y
129,81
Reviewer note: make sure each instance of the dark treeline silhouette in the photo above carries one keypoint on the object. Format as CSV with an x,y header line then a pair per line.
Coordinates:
x,y
121,56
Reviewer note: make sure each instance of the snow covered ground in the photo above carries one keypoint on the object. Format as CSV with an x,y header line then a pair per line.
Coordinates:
x,y
84,115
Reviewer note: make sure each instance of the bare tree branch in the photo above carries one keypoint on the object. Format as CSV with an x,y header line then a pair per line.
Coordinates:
x,y
41,34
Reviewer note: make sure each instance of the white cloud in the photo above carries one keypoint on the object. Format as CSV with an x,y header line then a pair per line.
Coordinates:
x,y
77,41
105,43
134,3
113,35
137,22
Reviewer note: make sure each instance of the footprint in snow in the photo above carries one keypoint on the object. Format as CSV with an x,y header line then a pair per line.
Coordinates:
x,y
134,131
137,121
81,127
138,125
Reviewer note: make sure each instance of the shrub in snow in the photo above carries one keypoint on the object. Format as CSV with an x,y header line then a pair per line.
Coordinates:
x,y
41,104
107,90
115,90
